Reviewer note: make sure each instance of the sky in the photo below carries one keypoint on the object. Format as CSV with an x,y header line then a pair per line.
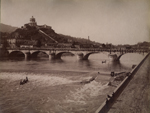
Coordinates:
x,y
104,21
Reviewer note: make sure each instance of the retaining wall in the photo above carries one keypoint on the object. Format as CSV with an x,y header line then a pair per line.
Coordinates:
x,y
106,105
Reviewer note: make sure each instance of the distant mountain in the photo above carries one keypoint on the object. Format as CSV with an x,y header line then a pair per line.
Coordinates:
x,y
7,28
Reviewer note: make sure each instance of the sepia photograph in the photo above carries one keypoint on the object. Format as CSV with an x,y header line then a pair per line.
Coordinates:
x,y
75,56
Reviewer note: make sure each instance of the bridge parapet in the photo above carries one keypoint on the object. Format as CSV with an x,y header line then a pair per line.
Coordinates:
x,y
81,53
23,51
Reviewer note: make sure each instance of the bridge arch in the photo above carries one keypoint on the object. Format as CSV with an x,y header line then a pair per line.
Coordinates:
x,y
86,56
58,55
36,53
16,53
137,53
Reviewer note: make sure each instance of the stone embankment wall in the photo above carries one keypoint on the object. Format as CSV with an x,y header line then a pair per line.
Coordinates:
x,y
106,105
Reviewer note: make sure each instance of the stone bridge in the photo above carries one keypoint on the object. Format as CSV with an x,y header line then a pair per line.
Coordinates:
x,y
81,54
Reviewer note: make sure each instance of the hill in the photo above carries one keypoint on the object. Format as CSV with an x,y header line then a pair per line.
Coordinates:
x,y
7,28
32,33
47,35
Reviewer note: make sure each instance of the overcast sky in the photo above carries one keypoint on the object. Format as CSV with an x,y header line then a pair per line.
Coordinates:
x,y
104,21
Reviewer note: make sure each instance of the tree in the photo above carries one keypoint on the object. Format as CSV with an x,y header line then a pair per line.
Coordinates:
x,y
38,44
103,45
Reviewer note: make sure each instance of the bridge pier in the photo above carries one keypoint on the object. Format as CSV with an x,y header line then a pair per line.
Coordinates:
x,y
80,56
114,57
52,56
27,55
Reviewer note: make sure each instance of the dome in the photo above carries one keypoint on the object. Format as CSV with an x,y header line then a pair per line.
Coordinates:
x,y
32,19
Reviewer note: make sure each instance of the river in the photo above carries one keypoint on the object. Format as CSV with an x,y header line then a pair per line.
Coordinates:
x,y
54,85
71,63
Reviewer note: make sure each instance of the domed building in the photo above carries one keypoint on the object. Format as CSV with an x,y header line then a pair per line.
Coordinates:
x,y
32,22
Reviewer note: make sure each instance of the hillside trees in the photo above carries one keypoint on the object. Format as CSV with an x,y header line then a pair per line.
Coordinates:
x,y
32,33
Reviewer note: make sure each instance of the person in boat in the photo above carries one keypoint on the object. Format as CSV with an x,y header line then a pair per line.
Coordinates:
x,y
104,61
21,82
27,79
24,81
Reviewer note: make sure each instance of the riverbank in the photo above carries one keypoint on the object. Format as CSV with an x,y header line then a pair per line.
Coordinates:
x,y
58,86
135,98
52,92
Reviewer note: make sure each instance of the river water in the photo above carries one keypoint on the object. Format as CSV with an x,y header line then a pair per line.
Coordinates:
x,y
71,63
61,91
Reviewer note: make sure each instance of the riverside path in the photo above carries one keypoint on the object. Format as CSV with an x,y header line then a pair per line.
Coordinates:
x,y
135,98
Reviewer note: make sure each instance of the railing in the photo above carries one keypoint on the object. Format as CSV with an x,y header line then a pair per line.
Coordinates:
x,y
106,105
83,49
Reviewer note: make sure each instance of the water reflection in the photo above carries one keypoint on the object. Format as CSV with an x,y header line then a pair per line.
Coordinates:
x,y
117,66
57,61
16,59
86,63
71,63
